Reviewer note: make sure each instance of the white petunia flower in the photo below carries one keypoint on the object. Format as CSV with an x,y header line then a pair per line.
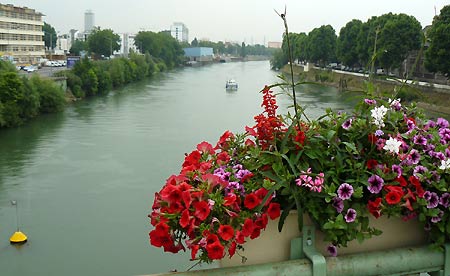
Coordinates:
x,y
392,145
445,164
378,114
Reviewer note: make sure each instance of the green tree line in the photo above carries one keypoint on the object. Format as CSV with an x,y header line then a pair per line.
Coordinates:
x,y
235,49
23,98
385,40
97,77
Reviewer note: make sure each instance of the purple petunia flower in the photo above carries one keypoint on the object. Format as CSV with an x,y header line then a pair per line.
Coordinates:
x,y
432,198
350,216
238,167
442,123
370,101
338,204
444,133
332,250
379,133
375,184
419,140
397,169
419,170
437,218
430,124
345,191
347,124
410,124
439,155
445,200
242,173
414,156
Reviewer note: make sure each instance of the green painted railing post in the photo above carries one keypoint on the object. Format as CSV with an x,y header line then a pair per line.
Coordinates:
x,y
297,249
447,260
319,266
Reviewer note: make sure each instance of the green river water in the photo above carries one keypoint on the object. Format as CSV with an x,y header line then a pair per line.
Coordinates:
x,y
85,179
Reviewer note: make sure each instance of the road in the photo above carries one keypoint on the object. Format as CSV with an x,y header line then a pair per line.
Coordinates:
x,y
44,71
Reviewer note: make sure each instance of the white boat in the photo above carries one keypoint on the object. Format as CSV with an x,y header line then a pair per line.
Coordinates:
x,y
231,85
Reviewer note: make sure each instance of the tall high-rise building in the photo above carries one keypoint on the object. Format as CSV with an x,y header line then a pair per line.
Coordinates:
x,y
89,21
180,32
21,35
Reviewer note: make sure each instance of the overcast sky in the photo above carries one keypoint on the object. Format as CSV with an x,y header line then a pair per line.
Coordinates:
x,y
251,21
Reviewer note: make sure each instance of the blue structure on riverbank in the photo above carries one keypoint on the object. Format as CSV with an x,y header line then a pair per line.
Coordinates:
x,y
202,54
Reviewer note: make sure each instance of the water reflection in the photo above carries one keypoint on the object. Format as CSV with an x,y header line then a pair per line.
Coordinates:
x,y
86,178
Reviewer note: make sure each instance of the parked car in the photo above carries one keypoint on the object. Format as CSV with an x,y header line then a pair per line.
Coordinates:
x,y
30,68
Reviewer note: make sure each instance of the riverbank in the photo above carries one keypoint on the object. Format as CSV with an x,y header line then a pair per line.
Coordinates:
x,y
434,98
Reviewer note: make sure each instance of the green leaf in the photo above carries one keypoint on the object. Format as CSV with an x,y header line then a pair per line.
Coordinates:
x,y
351,148
284,215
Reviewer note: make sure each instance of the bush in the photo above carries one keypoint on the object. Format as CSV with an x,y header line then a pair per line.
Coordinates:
x,y
52,98
12,94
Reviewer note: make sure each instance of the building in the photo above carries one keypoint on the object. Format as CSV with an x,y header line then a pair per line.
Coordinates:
x,y
127,44
89,21
63,44
21,35
274,44
201,54
180,32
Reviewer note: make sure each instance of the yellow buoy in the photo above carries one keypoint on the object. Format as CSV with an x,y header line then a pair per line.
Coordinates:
x,y
18,237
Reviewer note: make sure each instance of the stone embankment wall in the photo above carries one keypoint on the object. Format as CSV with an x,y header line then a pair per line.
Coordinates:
x,y
432,97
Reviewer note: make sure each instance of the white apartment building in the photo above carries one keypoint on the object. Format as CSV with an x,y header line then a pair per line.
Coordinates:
x,y
21,35
63,44
89,21
180,32
126,43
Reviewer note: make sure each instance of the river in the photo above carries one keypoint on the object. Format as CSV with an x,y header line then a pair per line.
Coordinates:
x,y
84,179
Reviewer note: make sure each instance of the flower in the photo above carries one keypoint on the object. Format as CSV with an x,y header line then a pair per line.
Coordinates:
x,y
384,158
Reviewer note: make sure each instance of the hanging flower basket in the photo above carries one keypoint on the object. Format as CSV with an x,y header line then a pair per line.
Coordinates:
x,y
353,174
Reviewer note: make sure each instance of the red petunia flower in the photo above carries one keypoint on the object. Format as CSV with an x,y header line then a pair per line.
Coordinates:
x,y
192,160
171,193
240,238
223,140
184,220
226,232
205,147
187,199
201,210
251,201
401,180
374,207
247,229
215,250
160,235
274,210
393,197
230,199
232,249
194,250
211,238
372,163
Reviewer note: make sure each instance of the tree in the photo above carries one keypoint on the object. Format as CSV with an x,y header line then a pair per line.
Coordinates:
x,y
437,56
194,42
103,42
322,44
346,45
148,42
49,34
300,43
243,50
77,47
399,36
